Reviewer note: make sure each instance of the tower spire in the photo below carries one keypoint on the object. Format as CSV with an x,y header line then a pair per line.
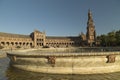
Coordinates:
x,y
91,35
89,12
90,19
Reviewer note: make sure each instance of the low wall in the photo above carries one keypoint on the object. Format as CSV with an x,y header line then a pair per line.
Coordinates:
x,y
2,54
66,63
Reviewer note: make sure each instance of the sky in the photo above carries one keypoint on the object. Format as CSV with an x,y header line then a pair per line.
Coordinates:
x,y
58,17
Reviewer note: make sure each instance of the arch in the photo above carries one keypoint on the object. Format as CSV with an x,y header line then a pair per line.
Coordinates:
x,y
27,43
23,43
12,43
7,43
37,44
16,43
3,43
41,44
30,44
20,43
41,39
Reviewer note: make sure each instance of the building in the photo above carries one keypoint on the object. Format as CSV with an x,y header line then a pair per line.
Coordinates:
x,y
39,39
91,33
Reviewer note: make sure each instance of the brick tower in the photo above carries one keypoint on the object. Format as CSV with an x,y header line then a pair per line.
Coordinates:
x,y
91,34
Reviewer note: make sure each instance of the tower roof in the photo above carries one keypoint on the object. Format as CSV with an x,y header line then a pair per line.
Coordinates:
x,y
89,11
90,15
90,22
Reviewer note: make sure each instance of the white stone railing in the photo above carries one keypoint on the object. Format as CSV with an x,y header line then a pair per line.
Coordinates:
x,y
38,54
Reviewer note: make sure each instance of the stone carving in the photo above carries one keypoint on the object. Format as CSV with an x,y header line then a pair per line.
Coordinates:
x,y
51,60
111,58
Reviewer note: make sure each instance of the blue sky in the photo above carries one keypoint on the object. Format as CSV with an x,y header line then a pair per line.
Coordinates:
x,y
58,17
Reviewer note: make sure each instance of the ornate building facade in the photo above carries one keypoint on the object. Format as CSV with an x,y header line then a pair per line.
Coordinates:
x,y
39,39
91,33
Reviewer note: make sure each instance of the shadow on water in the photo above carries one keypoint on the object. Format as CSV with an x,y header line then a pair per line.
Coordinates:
x,y
16,74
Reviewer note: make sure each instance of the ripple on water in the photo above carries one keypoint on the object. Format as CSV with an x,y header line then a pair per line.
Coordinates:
x,y
3,67
15,74
10,73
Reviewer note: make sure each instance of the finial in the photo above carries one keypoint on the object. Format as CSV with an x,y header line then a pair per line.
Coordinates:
x,y
89,11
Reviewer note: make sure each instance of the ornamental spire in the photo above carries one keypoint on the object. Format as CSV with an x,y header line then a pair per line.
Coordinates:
x,y
90,19
89,14
90,35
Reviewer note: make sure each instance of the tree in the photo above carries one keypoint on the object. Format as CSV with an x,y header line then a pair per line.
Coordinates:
x,y
103,40
110,39
117,35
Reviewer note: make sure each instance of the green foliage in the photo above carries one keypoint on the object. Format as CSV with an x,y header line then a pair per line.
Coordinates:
x,y
110,39
118,37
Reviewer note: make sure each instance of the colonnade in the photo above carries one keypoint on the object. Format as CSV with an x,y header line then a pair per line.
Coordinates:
x,y
67,44
15,44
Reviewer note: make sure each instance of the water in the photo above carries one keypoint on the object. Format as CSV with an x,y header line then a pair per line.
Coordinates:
x,y
10,73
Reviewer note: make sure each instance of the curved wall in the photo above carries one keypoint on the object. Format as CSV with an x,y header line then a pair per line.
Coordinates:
x,y
66,63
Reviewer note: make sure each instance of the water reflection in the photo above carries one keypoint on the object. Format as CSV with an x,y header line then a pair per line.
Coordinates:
x,y
10,73
3,67
15,74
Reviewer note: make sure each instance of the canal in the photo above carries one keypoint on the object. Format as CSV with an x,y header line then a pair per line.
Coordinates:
x,y
10,73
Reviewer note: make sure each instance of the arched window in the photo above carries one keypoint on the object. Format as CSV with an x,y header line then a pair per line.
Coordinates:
x,y
12,43
7,43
